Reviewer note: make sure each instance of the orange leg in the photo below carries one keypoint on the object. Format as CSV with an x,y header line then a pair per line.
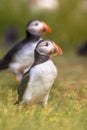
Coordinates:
x,y
16,78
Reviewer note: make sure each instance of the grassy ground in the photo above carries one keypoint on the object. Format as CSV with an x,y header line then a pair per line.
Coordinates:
x,y
67,105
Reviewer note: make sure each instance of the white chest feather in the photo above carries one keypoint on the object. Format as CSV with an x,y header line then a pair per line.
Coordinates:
x,y
42,78
24,57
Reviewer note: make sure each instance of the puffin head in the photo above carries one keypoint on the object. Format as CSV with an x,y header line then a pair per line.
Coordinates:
x,y
38,28
48,47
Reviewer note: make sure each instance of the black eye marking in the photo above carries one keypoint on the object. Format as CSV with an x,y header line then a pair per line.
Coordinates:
x,y
46,44
36,24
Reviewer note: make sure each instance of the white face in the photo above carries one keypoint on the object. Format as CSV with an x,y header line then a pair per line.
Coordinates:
x,y
46,47
38,28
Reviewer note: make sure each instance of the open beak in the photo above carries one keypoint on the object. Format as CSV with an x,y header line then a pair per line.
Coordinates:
x,y
45,28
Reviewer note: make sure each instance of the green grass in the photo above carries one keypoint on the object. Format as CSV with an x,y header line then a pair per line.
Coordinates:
x,y
67,105
68,23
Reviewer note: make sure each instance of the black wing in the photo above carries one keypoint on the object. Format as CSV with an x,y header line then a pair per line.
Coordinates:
x,y
22,87
10,54
4,62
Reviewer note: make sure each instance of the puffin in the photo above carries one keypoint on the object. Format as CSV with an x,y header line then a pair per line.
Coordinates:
x,y
21,55
36,83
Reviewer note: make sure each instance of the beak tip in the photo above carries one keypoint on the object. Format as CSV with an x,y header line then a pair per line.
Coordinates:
x,y
60,52
47,28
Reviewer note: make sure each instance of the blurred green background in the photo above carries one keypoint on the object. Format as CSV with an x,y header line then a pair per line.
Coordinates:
x,y
68,22
67,105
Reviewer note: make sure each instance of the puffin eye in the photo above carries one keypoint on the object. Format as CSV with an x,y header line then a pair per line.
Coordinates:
x,y
36,24
46,44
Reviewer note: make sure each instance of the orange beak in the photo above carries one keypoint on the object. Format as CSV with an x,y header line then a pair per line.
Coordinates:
x,y
60,52
45,29
56,51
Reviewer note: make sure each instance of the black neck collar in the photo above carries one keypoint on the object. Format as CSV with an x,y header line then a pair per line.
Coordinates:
x,y
40,58
32,37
